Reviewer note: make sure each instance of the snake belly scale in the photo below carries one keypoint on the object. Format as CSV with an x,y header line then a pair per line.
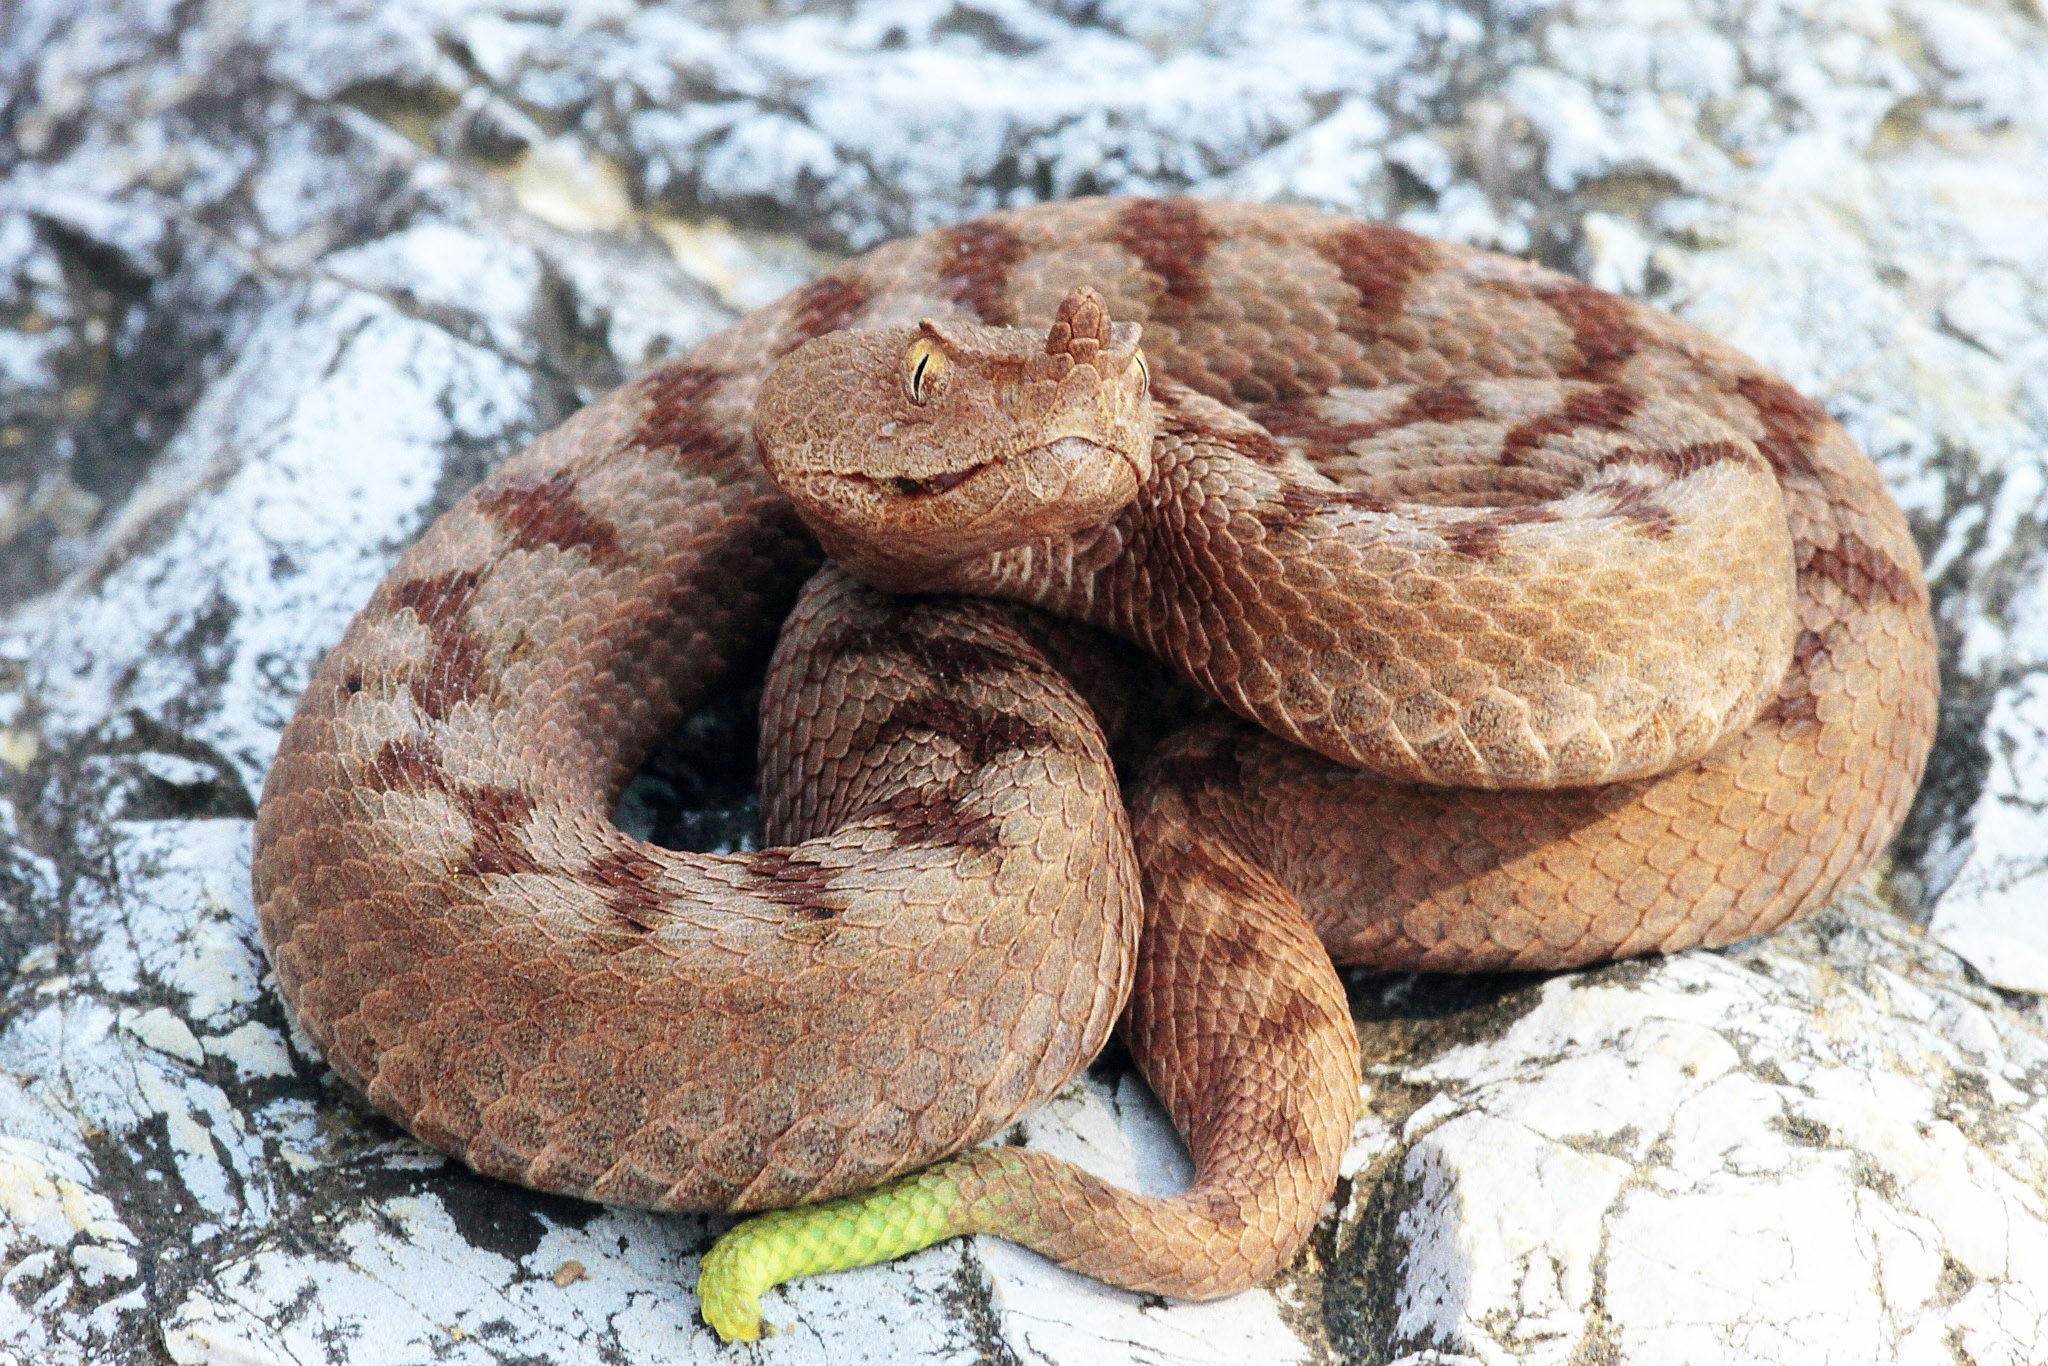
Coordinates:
x,y
1554,631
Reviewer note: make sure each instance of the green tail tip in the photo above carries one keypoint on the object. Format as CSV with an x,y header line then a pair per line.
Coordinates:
x,y
737,1269
858,1230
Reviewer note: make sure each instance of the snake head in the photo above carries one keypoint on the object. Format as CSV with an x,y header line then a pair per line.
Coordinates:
x,y
908,449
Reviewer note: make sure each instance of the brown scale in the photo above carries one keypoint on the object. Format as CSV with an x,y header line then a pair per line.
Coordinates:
x,y
1435,514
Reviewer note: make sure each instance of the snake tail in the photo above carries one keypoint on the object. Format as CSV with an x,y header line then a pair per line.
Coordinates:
x,y
1240,1025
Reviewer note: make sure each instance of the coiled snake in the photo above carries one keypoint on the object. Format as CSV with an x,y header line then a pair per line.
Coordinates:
x,y
1427,515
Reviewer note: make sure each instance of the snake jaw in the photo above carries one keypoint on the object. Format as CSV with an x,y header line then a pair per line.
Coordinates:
x,y
1064,452
905,527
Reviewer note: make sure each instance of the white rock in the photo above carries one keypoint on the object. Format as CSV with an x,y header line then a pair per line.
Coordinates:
x,y
164,1032
1992,913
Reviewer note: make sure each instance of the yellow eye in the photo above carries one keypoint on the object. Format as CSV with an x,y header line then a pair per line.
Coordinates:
x,y
1144,372
922,364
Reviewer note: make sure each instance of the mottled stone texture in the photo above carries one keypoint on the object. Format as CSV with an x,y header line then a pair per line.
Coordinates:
x,y
278,281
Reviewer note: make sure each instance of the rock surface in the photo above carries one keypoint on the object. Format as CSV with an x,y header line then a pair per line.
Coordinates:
x,y
278,281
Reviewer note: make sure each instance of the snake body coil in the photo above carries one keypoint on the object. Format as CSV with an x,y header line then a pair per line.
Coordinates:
x,y
1569,632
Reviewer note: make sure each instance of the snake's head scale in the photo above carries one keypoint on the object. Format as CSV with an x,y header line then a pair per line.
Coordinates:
x,y
911,449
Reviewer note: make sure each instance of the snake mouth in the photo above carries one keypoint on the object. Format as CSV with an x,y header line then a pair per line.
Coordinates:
x,y
1065,450
937,483
928,486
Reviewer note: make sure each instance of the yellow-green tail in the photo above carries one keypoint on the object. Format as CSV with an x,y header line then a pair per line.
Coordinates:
x,y
890,1221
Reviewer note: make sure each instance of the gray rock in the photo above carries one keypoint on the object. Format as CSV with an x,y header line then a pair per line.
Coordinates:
x,y
278,281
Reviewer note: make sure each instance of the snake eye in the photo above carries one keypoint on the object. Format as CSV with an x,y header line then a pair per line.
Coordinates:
x,y
1144,372
922,364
